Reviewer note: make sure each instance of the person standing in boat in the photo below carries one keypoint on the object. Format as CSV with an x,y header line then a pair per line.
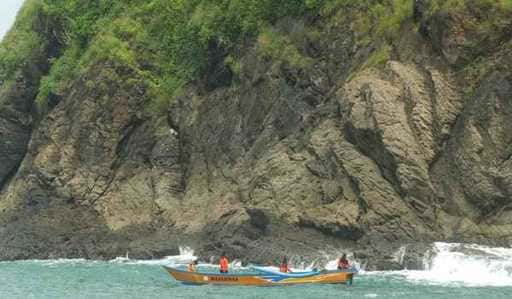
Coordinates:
x,y
223,263
192,266
283,267
343,263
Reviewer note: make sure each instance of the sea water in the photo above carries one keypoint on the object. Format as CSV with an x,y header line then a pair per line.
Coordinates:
x,y
453,271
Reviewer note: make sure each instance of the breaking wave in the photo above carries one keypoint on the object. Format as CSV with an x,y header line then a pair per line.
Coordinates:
x,y
464,264
186,256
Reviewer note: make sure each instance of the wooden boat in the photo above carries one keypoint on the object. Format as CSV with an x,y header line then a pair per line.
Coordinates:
x,y
262,278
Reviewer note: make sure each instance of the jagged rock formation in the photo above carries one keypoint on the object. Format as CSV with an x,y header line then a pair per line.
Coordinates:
x,y
334,155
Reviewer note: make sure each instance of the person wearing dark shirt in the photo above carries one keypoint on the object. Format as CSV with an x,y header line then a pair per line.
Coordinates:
x,y
192,267
343,263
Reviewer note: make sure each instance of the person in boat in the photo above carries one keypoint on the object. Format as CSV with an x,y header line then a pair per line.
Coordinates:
x,y
283,267
192,266
343,263
223,263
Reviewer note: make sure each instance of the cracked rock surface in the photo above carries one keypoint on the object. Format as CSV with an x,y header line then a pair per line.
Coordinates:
x,y
304,162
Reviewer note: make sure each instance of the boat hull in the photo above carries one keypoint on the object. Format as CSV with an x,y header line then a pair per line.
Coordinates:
x,y
327,277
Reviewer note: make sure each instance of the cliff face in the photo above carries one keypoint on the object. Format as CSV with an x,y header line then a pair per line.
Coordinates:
x,y
319,137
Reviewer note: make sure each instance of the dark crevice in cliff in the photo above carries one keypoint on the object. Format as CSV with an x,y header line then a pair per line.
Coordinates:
x,y
122,149
336,230
10,174
370,144
104,191
354,184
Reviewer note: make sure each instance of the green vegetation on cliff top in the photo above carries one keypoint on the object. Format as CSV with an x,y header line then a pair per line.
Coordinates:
x,y
170,43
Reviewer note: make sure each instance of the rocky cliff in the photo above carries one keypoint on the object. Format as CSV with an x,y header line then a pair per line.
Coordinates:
x,y
326,126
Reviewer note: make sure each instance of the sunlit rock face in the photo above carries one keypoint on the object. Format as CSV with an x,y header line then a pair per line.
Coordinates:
x,y
327,154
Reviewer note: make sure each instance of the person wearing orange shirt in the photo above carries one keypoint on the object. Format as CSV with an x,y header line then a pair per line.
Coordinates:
x,y
223,264
283,267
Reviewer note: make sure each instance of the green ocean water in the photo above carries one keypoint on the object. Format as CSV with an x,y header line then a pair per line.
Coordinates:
x,y
94,279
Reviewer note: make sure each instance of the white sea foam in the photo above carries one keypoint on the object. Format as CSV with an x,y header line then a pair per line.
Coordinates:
x,y
52,262
186,256
473,265
453,264
400,254
462,264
